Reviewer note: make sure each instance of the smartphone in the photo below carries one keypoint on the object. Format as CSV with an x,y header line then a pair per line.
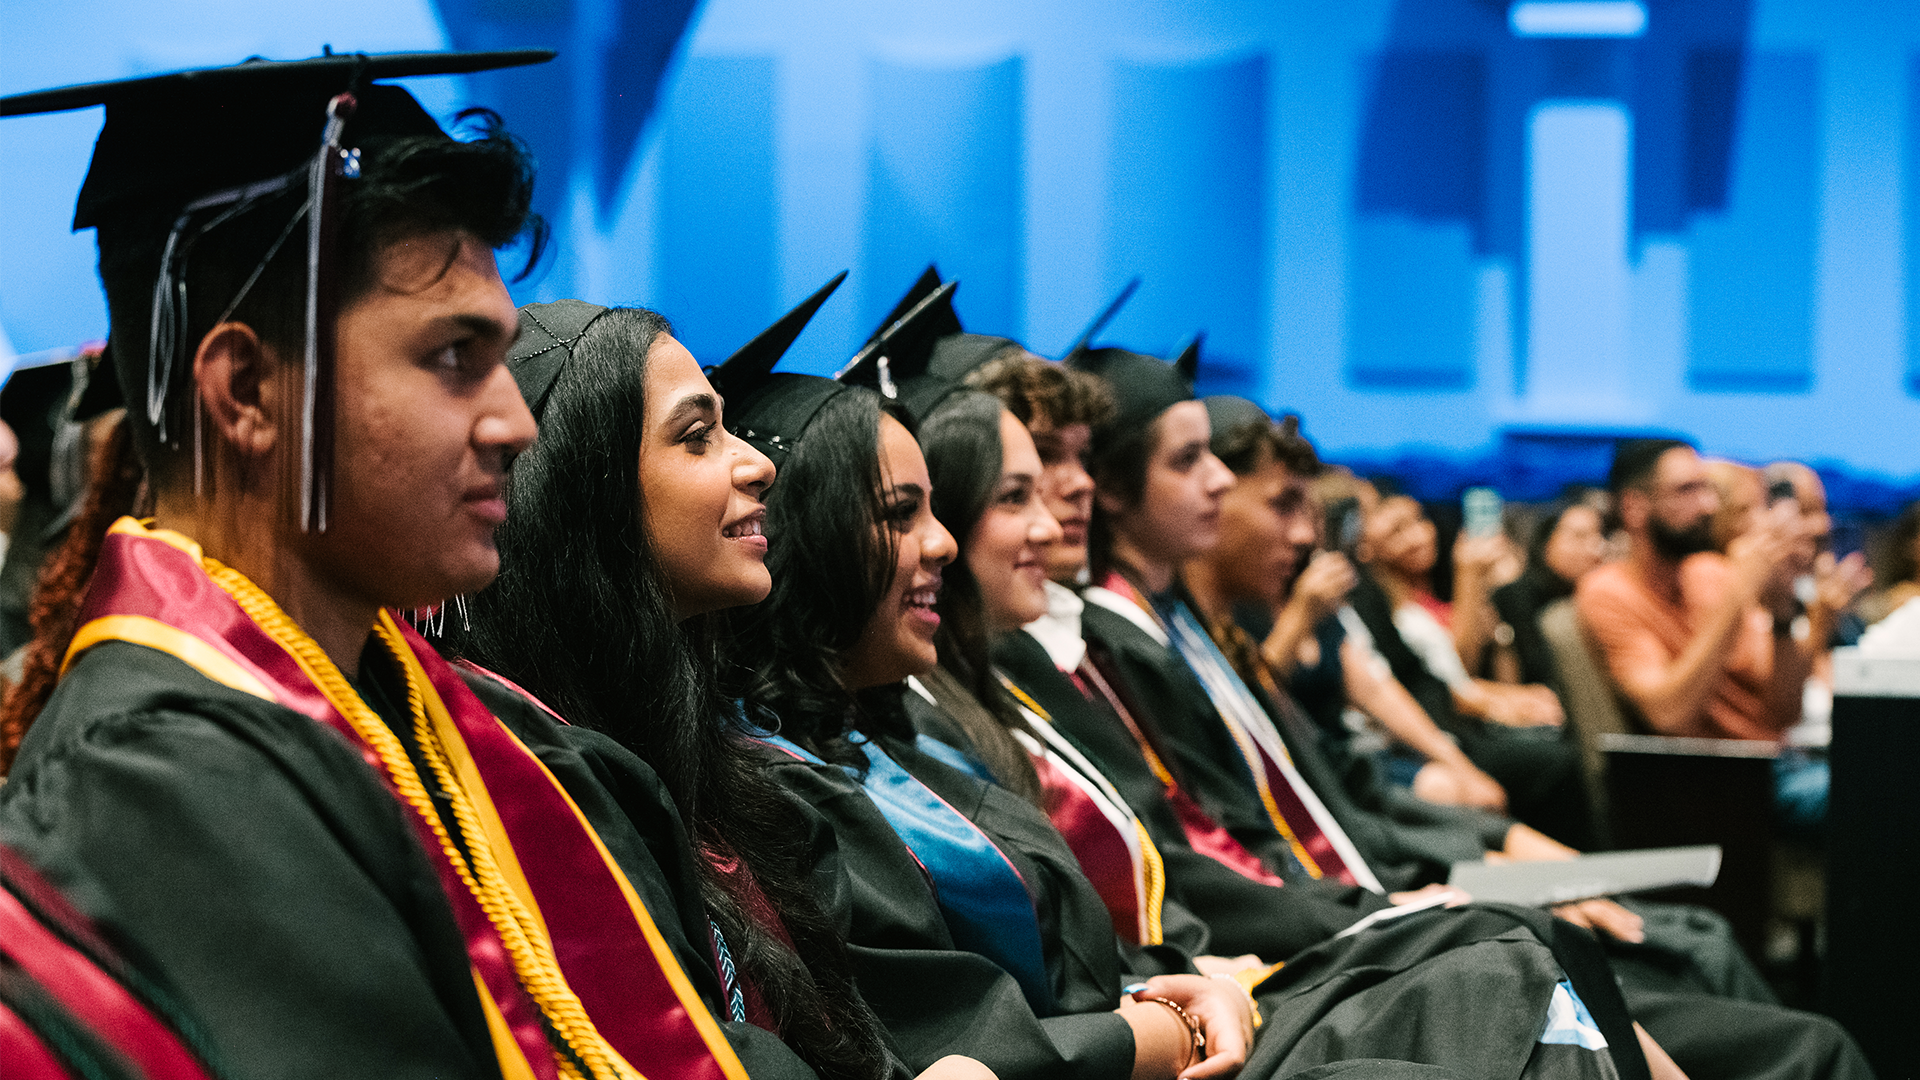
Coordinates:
x,y
1482,510
1345,522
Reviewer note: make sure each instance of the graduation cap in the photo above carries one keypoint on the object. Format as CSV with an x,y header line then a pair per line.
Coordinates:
x,y
1228,413
903,348
181,154
769,409
929,354
1101,320
1143,386
548,333
739,375
939,325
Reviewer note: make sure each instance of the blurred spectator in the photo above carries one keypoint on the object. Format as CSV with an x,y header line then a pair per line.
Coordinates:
x,y
1743,495
1892,614
51,471
10,490
1567,545
1399,546
1308,638
1814,548
1899,568
1510,732
1697,643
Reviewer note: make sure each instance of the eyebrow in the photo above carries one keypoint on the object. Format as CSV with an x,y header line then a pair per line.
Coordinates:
x,y
898,490
691,405
482,326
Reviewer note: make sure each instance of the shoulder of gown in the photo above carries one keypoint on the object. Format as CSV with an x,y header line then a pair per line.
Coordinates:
x,y
258,860
933,998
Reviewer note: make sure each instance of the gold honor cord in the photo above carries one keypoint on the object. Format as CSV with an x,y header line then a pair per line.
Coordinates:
x,y
521,931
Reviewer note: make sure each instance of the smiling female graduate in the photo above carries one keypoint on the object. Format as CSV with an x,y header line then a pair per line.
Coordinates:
x,y
347,858
635,520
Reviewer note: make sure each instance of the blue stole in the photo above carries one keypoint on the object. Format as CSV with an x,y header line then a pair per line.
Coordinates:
x,y
982,897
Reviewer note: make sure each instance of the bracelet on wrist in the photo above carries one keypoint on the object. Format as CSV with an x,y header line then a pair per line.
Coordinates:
x,y
1197,1048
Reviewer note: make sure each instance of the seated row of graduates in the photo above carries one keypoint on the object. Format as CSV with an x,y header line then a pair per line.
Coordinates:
x,y
845,786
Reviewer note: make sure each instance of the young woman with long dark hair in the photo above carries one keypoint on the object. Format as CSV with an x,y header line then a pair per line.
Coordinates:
x,y
958,889
632,520
985,474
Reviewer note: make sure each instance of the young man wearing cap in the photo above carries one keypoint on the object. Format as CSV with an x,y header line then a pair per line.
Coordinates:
x,y
350,858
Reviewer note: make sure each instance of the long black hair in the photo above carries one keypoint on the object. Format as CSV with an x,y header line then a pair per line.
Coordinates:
x,y
582,616
1119,469
961,439
832,559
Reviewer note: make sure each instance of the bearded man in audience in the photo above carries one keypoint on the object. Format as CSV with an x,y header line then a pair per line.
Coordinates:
x,y
1702,644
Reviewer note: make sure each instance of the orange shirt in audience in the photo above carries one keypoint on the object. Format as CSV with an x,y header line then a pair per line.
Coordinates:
x,y
1635,630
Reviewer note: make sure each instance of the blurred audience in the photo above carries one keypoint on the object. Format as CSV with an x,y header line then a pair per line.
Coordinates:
x,y
1893,612
1512,733
1399,546
1699,643
1568,543
1742,491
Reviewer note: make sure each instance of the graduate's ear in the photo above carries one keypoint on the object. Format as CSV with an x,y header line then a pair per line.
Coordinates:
x,y
234,376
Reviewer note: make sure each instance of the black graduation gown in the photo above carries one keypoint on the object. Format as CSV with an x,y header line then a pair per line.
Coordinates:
x,y
1245,916
941,1004
934,998
1688,983
1494,956
1065,902
268,872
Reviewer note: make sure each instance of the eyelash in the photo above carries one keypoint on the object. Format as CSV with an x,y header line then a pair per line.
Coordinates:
x,y
701,435
902,513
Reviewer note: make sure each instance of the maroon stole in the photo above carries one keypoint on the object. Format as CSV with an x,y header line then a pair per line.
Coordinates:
x,y
623,1000
90,995
1111,846
1204,835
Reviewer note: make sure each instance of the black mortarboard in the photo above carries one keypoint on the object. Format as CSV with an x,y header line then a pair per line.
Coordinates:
x,y
770,409
169,139
1227,413
1101,320
775,408
902,349
548,333
1143,386
940,325
736,377
182,153
929,355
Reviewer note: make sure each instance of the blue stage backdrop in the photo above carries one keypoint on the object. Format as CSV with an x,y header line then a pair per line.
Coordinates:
x,y
1459,245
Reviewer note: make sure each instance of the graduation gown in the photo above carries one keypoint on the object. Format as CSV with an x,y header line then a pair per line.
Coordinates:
x,y
933,997
275,880
1687,983
1244,915
1401,968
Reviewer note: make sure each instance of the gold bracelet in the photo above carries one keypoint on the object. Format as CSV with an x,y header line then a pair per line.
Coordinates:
x,y
1198,1051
